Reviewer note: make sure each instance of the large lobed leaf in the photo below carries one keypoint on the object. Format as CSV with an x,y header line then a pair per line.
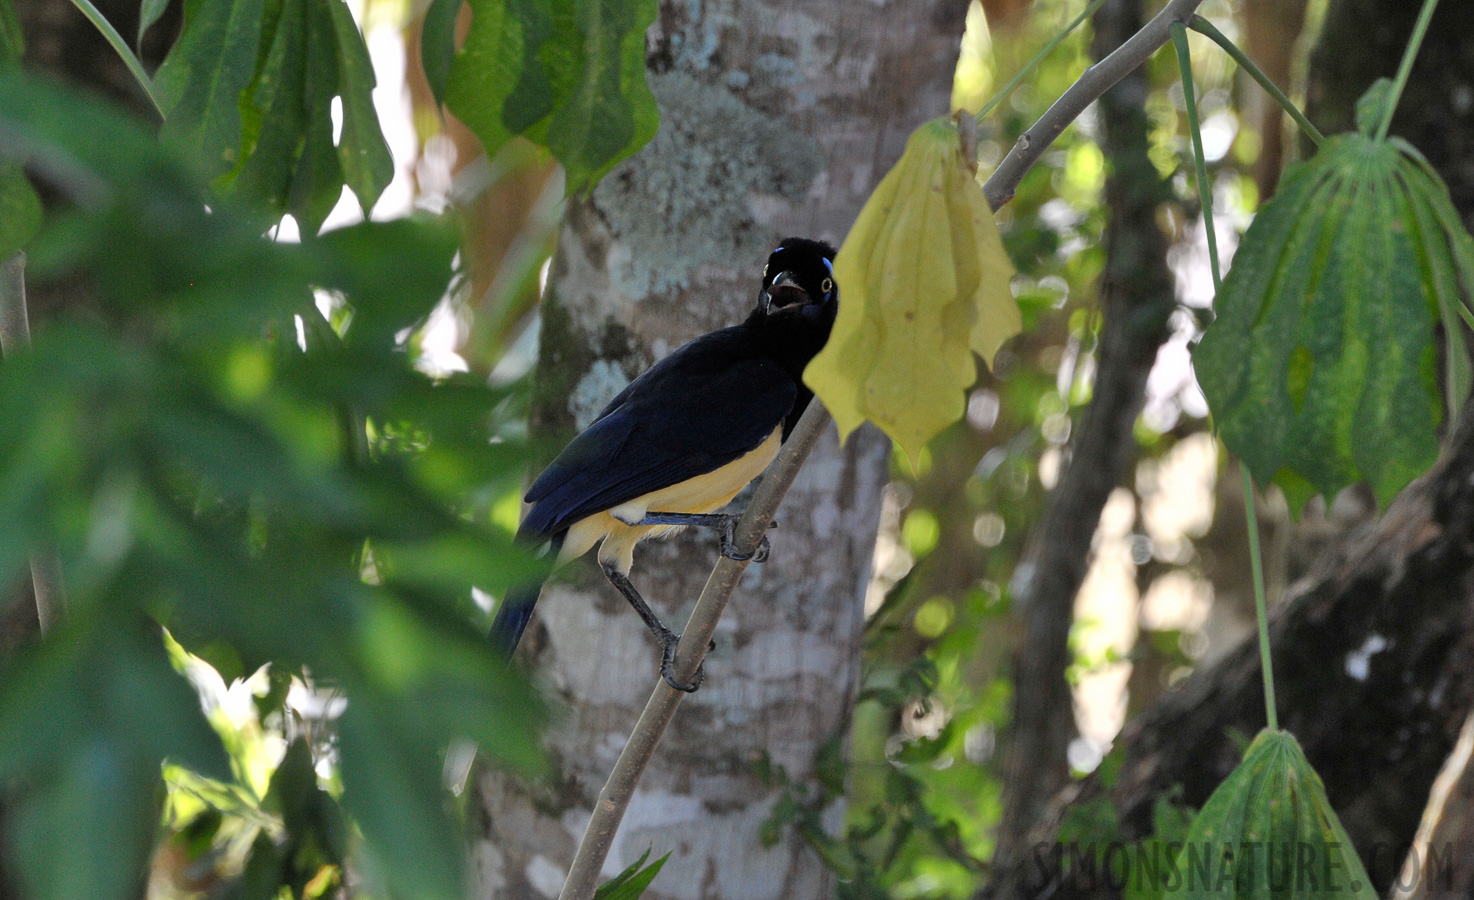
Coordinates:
x,y
1268,833
247,93
568,74
924,283
1321,368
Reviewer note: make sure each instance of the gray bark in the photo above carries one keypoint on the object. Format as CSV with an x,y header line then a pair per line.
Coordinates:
x,y
776,120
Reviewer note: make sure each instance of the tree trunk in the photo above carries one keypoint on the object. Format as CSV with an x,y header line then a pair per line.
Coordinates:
x,y
1136,297
775,121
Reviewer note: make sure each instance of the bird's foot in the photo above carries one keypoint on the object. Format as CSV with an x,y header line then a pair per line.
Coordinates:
x,y
729,543
726,525
668,643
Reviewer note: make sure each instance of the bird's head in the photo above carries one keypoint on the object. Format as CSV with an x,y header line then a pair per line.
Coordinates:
x,y
798,281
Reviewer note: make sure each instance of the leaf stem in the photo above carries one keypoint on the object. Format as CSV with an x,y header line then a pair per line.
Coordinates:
x,y
1205,189
1034,60
123,50
15,334
1184,62
1261,613
1406,68
1088,88
1204,27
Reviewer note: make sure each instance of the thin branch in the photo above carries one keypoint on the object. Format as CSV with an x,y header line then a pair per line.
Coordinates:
x,y
660,709
15,333
1095,81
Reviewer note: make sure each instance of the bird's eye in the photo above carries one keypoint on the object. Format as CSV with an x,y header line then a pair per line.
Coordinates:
x,y
827,286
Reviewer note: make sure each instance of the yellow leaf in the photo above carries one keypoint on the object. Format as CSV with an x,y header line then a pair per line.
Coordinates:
x,y
972,82
924,284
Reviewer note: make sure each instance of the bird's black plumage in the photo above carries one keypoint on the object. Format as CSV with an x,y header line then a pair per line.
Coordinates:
x,y
691,427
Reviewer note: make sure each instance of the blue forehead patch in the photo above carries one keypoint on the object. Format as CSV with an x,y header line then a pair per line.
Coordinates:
x,y
828,265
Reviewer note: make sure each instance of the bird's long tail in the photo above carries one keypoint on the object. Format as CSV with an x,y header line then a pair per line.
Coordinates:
x,y
516,607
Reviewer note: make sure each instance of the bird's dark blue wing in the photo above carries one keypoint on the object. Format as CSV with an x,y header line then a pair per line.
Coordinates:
x,y
700,408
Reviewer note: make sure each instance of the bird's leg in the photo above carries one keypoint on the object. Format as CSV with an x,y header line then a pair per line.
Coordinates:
x,y
667,638
725,523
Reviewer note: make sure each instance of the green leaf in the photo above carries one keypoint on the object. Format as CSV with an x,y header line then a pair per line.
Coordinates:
x,y
20,210
12,40
1269,832
149,12
568,74
274,115
609,111
1321,368
437,44
88,719
1371,106
391,784
200,82
631,883
367,164
317,182
393,273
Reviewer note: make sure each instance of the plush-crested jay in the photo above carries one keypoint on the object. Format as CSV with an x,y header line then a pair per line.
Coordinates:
x,y
682,440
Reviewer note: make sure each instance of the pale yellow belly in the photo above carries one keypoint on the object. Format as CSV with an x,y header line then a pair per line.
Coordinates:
x,y
702,494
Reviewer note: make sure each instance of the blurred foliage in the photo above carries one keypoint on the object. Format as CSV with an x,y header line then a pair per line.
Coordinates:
x,y
194,447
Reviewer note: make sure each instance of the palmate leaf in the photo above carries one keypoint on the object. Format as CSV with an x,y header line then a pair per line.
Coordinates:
x,y
1321,368
200,82
924,284
1267,832
248,92
568,74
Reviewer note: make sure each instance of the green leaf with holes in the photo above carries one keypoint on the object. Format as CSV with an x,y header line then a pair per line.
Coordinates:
x,y
1322,368
1268,832
200,82
367,164
568,74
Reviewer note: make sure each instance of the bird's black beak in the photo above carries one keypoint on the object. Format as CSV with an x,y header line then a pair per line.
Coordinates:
x,y
784,291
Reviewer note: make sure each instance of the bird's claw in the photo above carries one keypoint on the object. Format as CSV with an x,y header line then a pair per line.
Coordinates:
x,y
668,643
729,544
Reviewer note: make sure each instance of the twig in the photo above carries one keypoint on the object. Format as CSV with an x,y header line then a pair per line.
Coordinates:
x,y
661,707
1095,81
15,333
